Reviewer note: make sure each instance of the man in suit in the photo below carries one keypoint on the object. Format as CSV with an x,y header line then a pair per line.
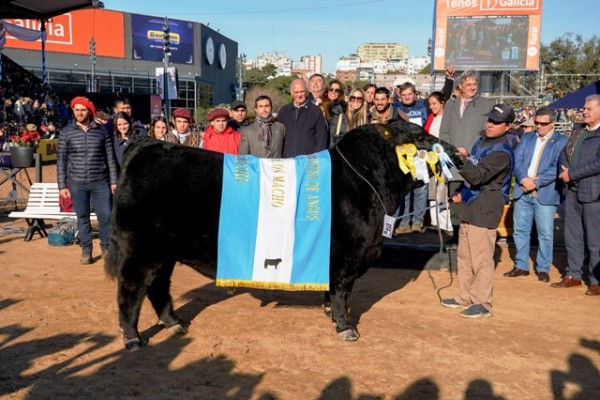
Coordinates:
x,y
463,120
263,138
536,193
580,169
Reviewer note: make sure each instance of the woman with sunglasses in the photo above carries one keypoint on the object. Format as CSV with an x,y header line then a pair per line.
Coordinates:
x,y
334,109
356,114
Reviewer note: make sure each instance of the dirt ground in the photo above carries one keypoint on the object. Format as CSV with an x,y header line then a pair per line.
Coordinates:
x,y
59,337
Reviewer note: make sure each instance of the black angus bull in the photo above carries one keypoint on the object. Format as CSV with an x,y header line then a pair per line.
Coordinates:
x,y
166,209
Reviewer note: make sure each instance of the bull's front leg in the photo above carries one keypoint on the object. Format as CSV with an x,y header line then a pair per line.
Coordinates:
x,y
340,313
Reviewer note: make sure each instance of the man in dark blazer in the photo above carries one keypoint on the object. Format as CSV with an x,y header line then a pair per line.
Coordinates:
x,y
537,193
580,169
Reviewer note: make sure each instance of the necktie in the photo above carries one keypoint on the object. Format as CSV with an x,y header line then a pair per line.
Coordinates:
x,y
465,104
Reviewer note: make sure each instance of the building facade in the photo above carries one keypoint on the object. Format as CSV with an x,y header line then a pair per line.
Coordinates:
x,y
383,51
127,55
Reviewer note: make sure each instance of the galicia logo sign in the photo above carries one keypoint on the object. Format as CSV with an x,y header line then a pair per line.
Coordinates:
x,y
494,5
499,5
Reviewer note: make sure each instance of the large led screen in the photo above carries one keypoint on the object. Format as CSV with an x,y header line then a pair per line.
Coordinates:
x,y
496,43
487,35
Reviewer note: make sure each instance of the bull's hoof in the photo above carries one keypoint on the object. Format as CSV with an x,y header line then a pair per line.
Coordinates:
x,y
177,329
349,335
327,311
134,343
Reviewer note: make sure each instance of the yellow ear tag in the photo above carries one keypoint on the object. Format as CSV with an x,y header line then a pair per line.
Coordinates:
x,y
386,132
432,160
400,151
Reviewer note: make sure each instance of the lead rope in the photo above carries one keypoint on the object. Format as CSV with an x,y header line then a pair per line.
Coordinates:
x,y
363,178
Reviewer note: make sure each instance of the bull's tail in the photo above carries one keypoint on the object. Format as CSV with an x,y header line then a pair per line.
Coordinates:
x,y
111,262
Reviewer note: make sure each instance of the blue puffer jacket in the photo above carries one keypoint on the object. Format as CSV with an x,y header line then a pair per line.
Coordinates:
x,y
85,157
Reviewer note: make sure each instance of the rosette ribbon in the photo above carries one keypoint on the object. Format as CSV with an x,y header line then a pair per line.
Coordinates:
x,y
445,160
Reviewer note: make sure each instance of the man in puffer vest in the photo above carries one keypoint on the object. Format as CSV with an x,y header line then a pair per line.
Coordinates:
x,y
482,197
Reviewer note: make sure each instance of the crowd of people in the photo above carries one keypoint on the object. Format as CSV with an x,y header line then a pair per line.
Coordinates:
x,y
501,148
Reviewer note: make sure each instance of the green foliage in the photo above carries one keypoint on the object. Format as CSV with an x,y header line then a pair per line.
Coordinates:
x,y
281,85
259,76
277,98
200,114
574,57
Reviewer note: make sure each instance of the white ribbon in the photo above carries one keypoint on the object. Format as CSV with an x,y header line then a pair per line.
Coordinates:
x,y
445,160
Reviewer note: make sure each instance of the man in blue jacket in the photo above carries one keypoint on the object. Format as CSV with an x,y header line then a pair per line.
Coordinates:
x,y
537,193
87,172
580,169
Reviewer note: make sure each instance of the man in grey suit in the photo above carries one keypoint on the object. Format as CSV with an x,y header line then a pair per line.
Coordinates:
x,y
263,138
462,123
580,170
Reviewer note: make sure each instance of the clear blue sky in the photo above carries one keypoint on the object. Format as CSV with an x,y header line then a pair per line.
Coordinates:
x,y
335,28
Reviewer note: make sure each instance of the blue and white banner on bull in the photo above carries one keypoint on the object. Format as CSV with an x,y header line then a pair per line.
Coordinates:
x,y
275,223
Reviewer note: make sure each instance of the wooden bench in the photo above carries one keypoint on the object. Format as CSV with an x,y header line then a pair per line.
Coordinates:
x,y
42,204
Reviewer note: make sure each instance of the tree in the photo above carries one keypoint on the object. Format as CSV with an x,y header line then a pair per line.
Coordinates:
x,y
575,61
259,76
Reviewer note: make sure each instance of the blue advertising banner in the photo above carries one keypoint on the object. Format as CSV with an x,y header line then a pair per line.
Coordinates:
x,y
147,39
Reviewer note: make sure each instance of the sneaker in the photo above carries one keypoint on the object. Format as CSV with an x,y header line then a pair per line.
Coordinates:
x,y
402,229
86,258
451,303
417,228
476,311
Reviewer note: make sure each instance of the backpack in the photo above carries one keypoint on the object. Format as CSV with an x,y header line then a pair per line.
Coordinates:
x,y
63,233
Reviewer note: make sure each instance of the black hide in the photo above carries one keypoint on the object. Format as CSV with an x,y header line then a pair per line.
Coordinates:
x,y
166,209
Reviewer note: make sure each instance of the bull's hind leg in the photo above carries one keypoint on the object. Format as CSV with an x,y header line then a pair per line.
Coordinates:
x,y
130,295
340,314
158,293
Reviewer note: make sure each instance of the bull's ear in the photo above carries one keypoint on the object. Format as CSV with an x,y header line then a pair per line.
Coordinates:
x,y
385,132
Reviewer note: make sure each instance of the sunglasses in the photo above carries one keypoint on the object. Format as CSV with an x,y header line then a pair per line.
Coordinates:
x,y
540,123
335,90
356,98
495,122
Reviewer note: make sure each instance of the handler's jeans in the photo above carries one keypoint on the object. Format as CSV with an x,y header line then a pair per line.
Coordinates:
x,y
528,209
84,195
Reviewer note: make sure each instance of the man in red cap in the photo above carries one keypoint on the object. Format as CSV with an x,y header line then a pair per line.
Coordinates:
x,y
87,172
218,136
182,119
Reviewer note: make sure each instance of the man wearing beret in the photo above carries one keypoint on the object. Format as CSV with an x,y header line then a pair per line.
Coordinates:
x,y
482,198
182,119
218,136
87,172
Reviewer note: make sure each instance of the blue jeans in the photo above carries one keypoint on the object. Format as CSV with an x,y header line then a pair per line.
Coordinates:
x,y
527,210
418,198
84,195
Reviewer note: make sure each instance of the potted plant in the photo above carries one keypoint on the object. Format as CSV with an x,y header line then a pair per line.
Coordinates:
x,y
23,146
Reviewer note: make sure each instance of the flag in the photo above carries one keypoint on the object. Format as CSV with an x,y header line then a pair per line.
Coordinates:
x,y
275,222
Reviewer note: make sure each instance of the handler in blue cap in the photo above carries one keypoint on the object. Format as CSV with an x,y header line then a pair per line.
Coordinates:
x,y
482,196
